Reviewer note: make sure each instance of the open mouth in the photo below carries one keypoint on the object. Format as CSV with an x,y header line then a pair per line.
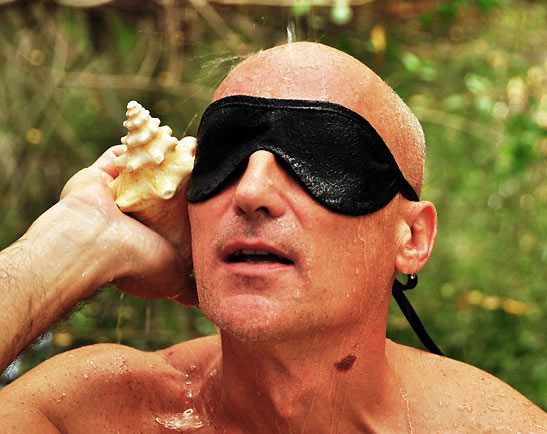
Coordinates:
x,y
252,256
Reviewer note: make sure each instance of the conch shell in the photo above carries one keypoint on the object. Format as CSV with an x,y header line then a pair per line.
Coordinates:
x,y
153,175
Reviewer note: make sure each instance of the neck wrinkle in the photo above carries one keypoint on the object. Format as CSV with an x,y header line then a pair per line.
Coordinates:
x,y
296,386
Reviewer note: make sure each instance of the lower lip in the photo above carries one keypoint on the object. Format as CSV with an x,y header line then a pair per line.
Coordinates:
x,y
255,269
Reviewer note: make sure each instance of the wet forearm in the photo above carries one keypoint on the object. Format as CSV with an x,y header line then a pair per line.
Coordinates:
x,y
42,275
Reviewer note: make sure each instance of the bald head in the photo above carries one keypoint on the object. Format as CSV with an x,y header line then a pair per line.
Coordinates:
x,y
311,71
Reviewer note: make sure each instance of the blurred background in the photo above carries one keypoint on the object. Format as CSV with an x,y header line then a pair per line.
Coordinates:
x,y
474,72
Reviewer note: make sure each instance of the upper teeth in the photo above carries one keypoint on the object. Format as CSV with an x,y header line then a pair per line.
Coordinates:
x,y
251,252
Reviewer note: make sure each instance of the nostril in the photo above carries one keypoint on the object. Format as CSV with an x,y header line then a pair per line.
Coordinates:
x,y
242,211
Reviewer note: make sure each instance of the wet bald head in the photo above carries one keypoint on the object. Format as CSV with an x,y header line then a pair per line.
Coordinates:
x,y
312,71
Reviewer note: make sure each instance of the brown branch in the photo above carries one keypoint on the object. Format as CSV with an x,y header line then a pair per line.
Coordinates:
x,y
218,24
458,123
289,3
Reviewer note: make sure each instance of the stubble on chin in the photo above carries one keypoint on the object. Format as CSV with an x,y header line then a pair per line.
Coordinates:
x,y
244,317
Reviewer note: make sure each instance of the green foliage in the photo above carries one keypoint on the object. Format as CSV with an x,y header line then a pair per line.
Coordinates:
x,y
482,294
472,70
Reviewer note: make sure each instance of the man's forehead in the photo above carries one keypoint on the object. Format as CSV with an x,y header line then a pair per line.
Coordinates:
x,y
303,71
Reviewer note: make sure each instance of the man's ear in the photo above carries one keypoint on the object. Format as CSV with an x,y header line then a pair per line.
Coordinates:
x,y
417,236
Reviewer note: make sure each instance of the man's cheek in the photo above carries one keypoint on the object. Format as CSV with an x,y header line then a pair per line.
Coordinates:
x,y
198,229
202,257
200,254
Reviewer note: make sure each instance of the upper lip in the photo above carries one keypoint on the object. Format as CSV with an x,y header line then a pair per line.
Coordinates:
x,y
235,247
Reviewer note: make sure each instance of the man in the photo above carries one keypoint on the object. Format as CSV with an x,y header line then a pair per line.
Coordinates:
x,y
298,281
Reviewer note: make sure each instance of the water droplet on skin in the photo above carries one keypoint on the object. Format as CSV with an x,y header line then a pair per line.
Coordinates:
x,y
122,366
90,362
407,402
188,420
465,407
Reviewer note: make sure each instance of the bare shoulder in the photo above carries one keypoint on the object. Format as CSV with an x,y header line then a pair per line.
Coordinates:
x,y
460,397
193,354
103,385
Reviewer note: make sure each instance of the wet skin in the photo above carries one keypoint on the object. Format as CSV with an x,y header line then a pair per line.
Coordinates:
x,y
301,295
267,210
111,388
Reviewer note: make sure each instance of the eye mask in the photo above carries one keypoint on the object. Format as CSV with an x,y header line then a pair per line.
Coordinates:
x,y
334,152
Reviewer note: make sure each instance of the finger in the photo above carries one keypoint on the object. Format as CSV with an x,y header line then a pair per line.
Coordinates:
x,y
190,143
180,289
156,270
103,167
105,163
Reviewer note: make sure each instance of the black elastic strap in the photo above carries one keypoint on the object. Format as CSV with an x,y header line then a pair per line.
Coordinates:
x,y
411,315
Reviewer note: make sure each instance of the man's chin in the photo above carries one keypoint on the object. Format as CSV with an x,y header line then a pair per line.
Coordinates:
x,y
246,317
247,335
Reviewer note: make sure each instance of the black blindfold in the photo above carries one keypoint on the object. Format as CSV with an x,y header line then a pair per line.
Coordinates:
x,y
334,152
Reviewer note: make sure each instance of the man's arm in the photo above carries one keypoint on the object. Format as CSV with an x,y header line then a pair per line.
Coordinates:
x,y
43,274
75,247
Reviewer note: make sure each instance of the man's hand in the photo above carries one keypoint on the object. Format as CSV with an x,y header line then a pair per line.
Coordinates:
x,y
147,265
78,245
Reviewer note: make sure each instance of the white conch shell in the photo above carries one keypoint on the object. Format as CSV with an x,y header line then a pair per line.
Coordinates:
x,y
155,165
154,171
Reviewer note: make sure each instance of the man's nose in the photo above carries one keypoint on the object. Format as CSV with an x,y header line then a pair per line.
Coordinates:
x,y
258,188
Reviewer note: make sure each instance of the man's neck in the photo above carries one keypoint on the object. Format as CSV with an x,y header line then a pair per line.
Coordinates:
x,y
342,382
